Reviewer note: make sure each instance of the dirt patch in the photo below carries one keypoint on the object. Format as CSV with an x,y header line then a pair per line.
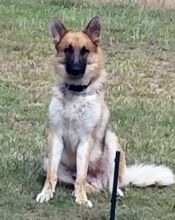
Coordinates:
x,y
161,3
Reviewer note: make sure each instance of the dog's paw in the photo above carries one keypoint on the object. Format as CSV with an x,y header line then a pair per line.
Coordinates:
x,y
81,199
84,202
73,193
120,193
45,196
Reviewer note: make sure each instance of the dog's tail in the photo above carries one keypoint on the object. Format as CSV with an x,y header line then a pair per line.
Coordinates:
x,y
146,175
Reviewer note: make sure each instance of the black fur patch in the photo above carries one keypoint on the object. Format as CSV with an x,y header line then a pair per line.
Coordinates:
x,y
76,60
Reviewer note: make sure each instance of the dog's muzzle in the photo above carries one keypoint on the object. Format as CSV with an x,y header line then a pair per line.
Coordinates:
x,y
75,69
75,66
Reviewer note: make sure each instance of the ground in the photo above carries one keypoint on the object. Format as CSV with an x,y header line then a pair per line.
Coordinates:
x,y
139,44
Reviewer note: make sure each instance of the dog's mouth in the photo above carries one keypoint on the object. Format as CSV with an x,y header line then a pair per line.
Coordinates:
x,y
75,77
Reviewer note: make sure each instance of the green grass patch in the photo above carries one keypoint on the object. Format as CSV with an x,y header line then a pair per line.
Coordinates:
x,y
139,44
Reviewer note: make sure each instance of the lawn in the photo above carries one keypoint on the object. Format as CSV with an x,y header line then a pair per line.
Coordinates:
x,y
139,44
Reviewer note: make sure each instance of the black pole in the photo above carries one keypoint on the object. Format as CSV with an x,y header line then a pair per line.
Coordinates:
x,y
115,183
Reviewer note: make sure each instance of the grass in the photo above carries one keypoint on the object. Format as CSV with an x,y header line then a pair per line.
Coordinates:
x,y
140,49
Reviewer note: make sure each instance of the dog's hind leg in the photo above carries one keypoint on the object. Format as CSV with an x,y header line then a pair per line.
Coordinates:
x,y
91,189
111,146
67,177
103,174
64,175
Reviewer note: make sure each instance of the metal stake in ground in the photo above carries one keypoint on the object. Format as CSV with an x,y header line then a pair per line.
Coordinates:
x,y
115,183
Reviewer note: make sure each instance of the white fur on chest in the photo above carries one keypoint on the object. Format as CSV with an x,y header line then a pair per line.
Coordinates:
x,y
74,117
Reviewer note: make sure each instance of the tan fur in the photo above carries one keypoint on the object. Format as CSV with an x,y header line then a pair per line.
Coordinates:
x,y
82,148
95,58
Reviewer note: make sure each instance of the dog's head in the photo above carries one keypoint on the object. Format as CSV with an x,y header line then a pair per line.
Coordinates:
x,y
79,58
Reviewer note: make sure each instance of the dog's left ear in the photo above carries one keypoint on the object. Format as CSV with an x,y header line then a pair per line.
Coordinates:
x,y
58,30
93,30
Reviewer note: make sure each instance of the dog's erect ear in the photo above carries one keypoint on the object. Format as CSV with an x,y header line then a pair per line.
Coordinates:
x,y
58,30
93,30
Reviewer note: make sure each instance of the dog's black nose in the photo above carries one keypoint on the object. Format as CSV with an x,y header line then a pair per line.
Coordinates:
x,y
76,69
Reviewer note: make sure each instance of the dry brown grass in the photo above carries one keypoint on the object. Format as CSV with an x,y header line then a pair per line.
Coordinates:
x,y
160,3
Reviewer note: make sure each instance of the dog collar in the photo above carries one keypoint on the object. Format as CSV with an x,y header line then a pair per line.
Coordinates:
x,y
76,88
81,90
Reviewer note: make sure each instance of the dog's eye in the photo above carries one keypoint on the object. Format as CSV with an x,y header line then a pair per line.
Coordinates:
x,y
84,51
69,50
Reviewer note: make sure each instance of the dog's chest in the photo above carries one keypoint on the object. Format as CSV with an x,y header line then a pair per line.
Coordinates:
x,y
76,117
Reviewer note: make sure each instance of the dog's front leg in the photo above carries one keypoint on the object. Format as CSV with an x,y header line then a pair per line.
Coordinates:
x,y
56,149
82,162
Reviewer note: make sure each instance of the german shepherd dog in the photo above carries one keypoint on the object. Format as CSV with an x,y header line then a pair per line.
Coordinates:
x,y
82,148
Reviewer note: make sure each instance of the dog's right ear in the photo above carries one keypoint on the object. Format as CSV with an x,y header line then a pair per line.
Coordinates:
x,y
93,30
58,30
